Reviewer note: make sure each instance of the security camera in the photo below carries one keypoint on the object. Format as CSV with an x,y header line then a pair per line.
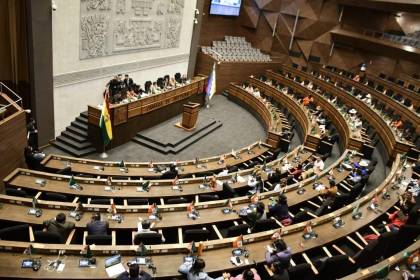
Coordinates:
x,y
53,5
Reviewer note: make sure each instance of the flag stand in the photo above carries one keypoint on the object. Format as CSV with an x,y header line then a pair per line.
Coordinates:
x,y
103,154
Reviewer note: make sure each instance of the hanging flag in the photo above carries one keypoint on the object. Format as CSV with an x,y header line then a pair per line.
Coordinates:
x,y
211,83
105,122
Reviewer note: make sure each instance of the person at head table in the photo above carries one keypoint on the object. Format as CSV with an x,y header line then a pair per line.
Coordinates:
x,y
96,226
59,226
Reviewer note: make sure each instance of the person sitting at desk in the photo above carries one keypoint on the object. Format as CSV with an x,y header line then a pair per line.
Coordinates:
x,y
256,92
296,171
397,219
247,274
307,100
59,226
128,82
256,214
144,226
281,253
318,165
397,124
280,210
308,164
154,89
194,271
356,78
355,176
96,226
134,273
172,82
172,173
279,272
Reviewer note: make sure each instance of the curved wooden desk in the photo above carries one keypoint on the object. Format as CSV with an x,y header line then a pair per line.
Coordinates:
x,y
216,253
391,142
141,169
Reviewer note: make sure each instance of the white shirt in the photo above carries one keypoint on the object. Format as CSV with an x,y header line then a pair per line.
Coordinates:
x,y
319,165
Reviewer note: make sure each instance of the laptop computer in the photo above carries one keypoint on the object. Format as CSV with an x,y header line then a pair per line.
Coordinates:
x,y
113,266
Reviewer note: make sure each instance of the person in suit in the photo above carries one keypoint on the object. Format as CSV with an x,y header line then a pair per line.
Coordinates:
x,y
134,273
280,210
128,82
96,226
59,226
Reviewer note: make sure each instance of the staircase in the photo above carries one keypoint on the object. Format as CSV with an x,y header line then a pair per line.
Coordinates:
x,y
181,144
74,139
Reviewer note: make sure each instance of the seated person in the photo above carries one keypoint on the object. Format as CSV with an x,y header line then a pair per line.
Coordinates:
x,y
172,173
134,273
328,194
144,226
308,164
397,219
96,226
318,165
296,171
256,214
248,274
355,176
307,100
280,210
154,89
281,253
279,272
59,226
397,124
194,271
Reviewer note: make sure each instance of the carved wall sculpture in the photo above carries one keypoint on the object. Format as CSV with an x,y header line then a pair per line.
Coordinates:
x,y
109,27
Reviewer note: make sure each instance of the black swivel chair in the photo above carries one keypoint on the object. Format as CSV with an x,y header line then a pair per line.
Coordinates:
x,y
177,200
329,271
208,197
238,230
16,192
104,201
196,235
147,238
47,237
99,239
137,201
264,225
15,233
365,258
301,271
55,197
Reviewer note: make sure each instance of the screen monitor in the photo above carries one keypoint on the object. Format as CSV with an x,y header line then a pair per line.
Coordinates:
x,y
225,7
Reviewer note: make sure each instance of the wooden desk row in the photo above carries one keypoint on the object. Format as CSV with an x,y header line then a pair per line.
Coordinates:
x,y
272,120
404,111
310,129
217,253
391,142
142,169
350,140
15,209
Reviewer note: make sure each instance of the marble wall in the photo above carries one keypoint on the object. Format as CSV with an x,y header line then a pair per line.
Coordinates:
x,y
96,39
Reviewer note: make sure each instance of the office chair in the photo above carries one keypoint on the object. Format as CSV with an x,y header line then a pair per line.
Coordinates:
x,y
137,201
301,271
196,235
15,233
238,230
264,225
329,271
147,238
47,237
16,192
55,197
177,200
208,197
105,201
99,239
365,257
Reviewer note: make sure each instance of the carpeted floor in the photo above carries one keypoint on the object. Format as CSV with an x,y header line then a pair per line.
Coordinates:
x,y
240,128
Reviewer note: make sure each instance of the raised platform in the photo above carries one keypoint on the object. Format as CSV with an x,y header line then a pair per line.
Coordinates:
x,y
170,139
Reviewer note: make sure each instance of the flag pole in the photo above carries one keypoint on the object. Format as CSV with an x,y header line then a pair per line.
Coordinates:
x,y
103,154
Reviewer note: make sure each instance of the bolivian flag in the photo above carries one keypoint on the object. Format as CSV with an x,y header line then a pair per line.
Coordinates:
x,y
105,122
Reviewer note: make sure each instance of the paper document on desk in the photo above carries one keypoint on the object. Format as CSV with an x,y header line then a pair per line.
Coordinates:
x,y
115,270
241,179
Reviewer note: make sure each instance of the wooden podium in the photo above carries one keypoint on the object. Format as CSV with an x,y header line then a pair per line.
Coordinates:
x,y
189,116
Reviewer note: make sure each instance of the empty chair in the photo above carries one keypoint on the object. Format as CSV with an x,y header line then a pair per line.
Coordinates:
x,y
15,233
301,271
16,192
263,225
47,237
228,191
148,238
137,201
177,200
384,244
365,257
301,217
55,197
238,230
208,197
99,239
196,235
105,201
328,269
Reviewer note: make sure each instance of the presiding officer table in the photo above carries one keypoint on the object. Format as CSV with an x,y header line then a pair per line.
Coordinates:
x,y
129,118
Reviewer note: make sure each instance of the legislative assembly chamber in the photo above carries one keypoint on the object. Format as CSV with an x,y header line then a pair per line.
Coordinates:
x,y
210,139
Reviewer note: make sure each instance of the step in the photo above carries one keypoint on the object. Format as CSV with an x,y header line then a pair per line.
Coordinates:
x,y
74,137
139,135
82,120
183,144
72,151
84,114
72,143
75,130
79,125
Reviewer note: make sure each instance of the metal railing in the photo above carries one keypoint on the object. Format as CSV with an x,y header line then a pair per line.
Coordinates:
x,y
16,99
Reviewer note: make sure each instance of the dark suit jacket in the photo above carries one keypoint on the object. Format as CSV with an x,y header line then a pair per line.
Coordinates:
x,y
279,211
62,229
144,276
